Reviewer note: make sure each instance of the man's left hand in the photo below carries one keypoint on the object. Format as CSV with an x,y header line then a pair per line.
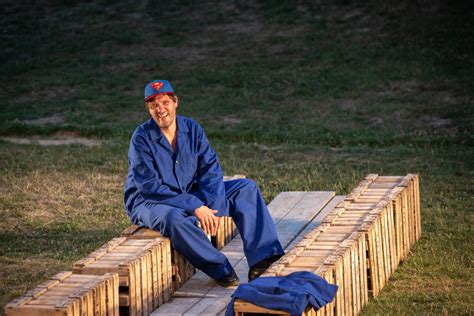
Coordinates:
x,y
209,222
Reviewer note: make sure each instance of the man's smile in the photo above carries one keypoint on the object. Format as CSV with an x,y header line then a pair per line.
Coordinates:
x,y
162,115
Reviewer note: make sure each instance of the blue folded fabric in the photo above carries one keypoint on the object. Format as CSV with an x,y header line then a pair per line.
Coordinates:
x,y
291,293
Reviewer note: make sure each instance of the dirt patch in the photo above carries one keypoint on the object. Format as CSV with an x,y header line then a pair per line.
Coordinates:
x,y
349,105
231,119
436,122
376,121
52,141
395,89
51,92
54,119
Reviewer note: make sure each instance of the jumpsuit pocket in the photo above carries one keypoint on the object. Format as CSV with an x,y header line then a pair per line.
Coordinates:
x,y
189,165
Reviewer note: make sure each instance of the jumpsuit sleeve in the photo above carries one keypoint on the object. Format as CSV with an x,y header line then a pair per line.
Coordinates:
x,y
149,183
210,178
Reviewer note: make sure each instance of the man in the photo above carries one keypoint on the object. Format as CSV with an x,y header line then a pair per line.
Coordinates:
x,y
174,181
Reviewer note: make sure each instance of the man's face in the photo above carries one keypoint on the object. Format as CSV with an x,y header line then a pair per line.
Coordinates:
x,y
162,109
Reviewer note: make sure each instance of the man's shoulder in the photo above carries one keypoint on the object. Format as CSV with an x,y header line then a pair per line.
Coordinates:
x,y
144,131
143,128
188,123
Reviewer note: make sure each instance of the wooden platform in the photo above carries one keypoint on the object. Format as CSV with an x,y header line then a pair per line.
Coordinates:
x,y
294,214
358,245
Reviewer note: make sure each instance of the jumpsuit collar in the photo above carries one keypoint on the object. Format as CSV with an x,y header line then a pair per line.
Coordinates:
x,y
157,135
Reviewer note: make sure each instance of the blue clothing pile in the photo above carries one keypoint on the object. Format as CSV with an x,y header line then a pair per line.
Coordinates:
x,y
291,293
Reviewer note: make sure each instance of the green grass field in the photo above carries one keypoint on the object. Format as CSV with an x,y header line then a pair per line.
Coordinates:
x,y
298,95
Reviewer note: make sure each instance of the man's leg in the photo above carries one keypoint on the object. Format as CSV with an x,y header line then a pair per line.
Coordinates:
x,y
250,214
187,238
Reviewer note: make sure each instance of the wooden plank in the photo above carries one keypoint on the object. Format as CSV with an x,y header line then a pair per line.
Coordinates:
x,y
316,221
284,203
177,308
300,215
208,306
250,308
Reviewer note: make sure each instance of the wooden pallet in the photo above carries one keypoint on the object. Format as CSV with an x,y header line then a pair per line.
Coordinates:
x,y
144,269
68,294
361,242
181,269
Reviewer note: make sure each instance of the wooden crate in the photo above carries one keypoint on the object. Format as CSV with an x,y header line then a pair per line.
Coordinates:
x,y
68,294
144,269
181,269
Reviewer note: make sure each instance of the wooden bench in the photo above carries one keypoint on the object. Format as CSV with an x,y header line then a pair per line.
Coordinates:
x,y
358,245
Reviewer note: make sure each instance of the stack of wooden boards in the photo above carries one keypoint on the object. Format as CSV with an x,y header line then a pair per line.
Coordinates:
x,y
358,245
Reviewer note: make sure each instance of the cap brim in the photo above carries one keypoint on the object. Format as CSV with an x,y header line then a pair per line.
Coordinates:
x,y
154,95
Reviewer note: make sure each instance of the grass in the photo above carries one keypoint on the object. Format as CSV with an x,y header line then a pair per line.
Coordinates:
x,y
298,96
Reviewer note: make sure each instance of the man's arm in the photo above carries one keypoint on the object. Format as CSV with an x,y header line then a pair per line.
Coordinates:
x,y
210,178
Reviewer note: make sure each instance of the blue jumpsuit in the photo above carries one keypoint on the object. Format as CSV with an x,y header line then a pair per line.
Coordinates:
x,y
163,188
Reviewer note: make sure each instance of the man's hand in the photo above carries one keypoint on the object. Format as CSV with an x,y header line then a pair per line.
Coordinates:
x,y
209,222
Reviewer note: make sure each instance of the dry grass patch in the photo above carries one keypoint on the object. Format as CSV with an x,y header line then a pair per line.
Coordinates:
x,y
47,197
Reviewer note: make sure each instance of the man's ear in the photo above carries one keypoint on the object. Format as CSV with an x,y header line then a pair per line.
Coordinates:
x,y
176,100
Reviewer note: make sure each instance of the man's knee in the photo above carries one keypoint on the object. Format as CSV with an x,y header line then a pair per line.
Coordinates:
x,y
161,218
246,184
172,222
249,183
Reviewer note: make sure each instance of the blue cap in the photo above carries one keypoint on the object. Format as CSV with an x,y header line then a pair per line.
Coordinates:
x,y
157,87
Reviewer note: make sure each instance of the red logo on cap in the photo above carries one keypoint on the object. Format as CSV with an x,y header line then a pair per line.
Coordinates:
x,y
157,85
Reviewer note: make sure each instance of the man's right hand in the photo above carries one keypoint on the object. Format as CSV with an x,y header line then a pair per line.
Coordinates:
x,y
209,222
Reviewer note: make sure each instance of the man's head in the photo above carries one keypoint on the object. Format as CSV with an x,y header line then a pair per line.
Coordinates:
x,y
161,102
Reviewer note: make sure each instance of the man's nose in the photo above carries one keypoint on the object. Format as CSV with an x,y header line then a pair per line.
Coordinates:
x,y
160,107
